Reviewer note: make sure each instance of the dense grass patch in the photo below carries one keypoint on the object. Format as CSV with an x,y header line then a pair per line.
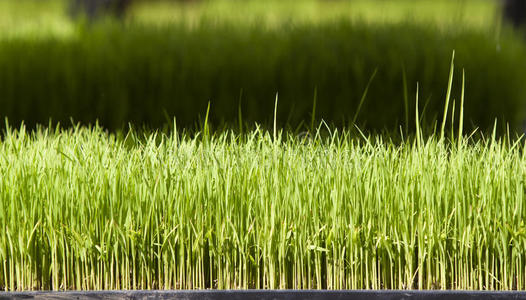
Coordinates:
x,y
84,209
148,75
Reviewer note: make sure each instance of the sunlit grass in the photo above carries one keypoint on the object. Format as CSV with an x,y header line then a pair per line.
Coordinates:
x,y
84,209
447,13
34,18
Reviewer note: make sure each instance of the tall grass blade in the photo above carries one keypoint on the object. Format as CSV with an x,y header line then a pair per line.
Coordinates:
x,y
448,95
364,95
417,120
406,101
275,131
313,114
461,115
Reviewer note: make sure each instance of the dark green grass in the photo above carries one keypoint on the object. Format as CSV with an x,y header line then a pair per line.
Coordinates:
x,y
147,75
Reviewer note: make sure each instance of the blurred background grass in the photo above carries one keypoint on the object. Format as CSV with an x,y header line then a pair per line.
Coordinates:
x,y
170,58
275,12
50,16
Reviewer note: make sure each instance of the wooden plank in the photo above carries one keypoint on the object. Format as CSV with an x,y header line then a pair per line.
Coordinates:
x,y
266,295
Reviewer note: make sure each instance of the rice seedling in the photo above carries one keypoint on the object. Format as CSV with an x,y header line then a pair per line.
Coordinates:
x,y
82,208
86,209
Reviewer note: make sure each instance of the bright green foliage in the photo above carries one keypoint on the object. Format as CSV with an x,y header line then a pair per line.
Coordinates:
x,y
37,18
84,209
446,13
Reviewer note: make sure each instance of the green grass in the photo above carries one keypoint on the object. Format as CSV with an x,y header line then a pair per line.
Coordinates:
x,y
49,17
148,75
169,60
33,18
85,209
471,13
